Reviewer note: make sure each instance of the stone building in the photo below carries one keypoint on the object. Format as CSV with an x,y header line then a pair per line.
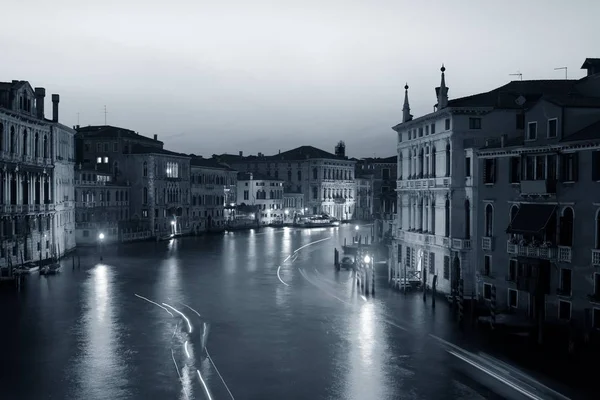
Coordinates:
x,y
384,172
536,205
364,196
264,193
326,180
293,205
29,231
102,206
211,194
435,192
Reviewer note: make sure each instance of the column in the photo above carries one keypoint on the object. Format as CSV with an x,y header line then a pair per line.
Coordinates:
x,y
19,188
42,194
426,211
6,194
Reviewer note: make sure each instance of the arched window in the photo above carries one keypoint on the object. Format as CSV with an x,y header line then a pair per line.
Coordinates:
x,y
467,219
399,166
447,218
414,164
448,159
427,162
315,173
566,227
145,200
489,220
597,229
24,142
13,140
513,212
145,168
45,147
36,145
432,172
421,162
432,213
108,195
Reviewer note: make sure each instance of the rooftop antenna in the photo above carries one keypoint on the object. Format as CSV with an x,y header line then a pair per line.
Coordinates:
x,y
565,68
105,112
519,74
77,118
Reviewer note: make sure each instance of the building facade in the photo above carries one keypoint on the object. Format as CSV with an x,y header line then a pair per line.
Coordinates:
x,y
211,194
264,193
28,154
293,205
385,175
538,216
326,180
364,197
101,207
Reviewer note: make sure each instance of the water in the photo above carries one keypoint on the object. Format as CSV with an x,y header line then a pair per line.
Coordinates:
x,y
280,327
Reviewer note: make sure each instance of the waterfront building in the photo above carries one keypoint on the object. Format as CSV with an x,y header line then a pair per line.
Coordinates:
x,y
326,180
384,172
264,193
364,195
536,207
211,186
102,207
293,205
28,155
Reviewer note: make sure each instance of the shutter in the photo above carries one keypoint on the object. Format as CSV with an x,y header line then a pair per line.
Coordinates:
x,y
485,170
575,167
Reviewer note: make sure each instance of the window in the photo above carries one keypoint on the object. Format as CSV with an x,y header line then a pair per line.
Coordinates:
x,y
447,267
596,165
566,227
487,265
433,157
105,160
448,159
432,128
99,160
487,291
145,168
246,195
299,175
569,167
426,130
474,123
385,174
513,297
421,132
115,147
468,166
467,219
447,219
145,213
447,124
489,170
552,127
532,131
489,220
315,193
315,173
98,147
540,168
512,270
515,169
145,199
565,282
432,263
564,310
106,147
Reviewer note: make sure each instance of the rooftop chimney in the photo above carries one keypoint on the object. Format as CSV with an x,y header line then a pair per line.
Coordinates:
x,y
55,100
155,136
241,153
40,95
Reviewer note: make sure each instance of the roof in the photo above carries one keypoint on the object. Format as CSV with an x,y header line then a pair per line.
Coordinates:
x,y
590,62
303,153
531,218
141,149
505,96
590,132
245,176
208,163
107,131
379,160
574,100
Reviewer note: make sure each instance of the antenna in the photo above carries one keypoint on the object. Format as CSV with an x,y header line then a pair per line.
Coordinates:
x,y
105,112
77,118
519,74
565,68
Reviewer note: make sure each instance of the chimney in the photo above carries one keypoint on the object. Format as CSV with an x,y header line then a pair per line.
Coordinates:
x,y
55,100
241,153
40,95
155,136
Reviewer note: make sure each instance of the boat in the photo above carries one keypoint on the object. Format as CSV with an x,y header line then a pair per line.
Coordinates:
x,y
27,268
51,269
317,221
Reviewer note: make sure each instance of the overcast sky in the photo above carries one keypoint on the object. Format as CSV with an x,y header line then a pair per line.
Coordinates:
x,y
228,75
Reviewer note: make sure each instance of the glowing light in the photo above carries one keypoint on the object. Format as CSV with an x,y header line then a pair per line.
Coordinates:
x,y
101,236
367,259
286,212
187,353
150,301
251,216
182,314
356,227
172,222
204,384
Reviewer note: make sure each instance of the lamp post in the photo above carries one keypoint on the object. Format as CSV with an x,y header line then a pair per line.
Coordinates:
x,y
173,229
101,239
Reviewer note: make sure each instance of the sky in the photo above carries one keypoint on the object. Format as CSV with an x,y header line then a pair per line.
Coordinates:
x,y
223,76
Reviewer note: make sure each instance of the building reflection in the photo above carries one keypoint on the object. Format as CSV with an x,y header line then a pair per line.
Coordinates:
x,y
232,252
251,252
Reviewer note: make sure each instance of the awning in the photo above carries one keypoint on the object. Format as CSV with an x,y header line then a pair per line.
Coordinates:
x,y
531,218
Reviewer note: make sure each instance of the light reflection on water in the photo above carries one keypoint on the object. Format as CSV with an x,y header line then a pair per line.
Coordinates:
x,y
251,251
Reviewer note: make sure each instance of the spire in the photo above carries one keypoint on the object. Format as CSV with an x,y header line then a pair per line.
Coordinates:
x,y
442,91
406,109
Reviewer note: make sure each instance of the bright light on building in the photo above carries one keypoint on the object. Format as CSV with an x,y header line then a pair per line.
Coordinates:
x,y
286,212
251,216
367,259
172,222
356,227
101,236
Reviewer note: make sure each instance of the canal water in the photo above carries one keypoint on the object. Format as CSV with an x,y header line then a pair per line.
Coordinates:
x,y
282,325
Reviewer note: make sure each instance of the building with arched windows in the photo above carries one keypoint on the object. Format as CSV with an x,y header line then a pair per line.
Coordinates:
x,y
262,193
36,158
536,209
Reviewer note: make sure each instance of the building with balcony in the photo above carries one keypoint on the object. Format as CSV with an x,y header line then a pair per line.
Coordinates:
x,y
213,189
101,206
263,193
29,230
436,197
537,214
326,180
363,210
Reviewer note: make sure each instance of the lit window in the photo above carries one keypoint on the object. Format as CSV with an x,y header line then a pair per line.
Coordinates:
x,y
99,160
105,160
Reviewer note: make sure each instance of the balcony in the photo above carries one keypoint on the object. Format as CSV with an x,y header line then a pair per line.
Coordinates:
x,y
28,208
546,187
424,183
564,253
596,257
339,200
461,244
49,207
547,253
487,243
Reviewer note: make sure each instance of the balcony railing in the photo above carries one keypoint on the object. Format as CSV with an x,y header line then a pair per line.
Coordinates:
x,y
596,257
564,253
461,244
487,243
548,253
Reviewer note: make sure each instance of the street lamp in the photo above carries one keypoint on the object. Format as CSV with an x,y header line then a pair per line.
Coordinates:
x,y
367,259
101,238
356,227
